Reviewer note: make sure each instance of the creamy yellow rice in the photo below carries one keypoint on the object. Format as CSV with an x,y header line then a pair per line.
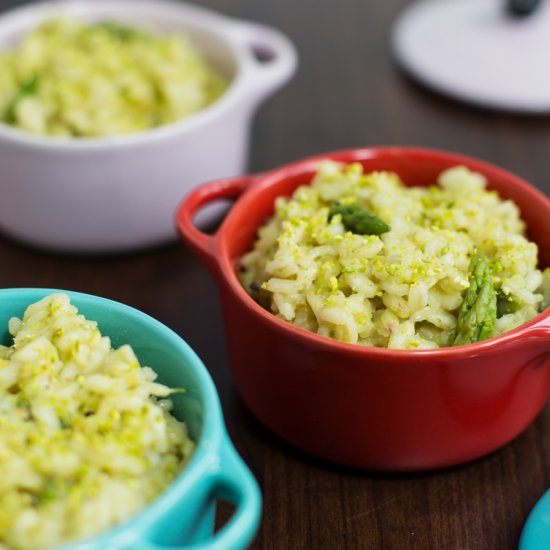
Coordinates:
x,y
84,441
402,288
67,78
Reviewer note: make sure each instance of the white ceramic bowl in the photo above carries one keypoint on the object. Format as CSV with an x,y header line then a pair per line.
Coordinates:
x,y
120,193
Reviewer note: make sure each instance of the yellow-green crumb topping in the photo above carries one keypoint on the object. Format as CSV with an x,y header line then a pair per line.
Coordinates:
x,y
85,439
70,78
362,258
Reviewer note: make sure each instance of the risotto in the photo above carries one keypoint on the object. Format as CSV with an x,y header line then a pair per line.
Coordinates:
x,y
71,79
84,441
364,259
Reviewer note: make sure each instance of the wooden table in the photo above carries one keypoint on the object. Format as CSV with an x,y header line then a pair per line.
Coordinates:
x,y
348,92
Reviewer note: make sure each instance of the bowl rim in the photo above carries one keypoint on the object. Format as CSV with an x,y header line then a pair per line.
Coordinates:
x,y
226,270
208,20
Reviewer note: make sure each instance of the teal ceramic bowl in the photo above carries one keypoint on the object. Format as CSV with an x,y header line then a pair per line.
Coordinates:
x,y
536,532
183,516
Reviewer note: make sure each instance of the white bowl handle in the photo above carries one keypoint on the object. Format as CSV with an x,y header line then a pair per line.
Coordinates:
x,y
272,58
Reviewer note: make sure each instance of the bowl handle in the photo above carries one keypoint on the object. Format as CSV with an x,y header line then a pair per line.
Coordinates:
x,y
201,243
272,57
232,482
536,531
235,484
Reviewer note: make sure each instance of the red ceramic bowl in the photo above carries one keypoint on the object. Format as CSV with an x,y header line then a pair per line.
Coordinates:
x,y
369,407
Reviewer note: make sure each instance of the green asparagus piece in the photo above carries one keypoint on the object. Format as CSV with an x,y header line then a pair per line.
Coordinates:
x,y
478,312
117,30
29,87
357,220
51,489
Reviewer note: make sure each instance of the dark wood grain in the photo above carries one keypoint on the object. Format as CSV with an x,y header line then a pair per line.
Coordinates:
x,y
348,92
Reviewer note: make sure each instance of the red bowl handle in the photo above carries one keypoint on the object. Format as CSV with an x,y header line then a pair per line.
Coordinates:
x,y
201,243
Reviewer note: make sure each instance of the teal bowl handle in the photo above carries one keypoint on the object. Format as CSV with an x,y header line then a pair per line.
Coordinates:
x,y
233,482
536,531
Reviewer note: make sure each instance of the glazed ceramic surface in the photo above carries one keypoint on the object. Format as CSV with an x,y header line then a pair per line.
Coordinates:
x,y
183,516
118,193
369,407
536,531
